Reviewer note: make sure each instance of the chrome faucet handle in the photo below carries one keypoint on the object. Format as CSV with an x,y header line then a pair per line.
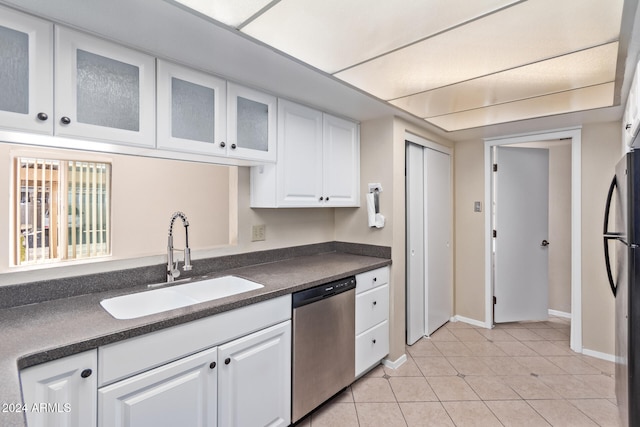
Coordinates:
x,y
175,271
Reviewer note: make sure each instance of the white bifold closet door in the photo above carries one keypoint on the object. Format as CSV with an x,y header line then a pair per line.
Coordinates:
x,y
429,253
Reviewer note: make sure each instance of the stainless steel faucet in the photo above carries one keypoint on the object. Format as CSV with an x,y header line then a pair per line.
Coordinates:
x,y
172,270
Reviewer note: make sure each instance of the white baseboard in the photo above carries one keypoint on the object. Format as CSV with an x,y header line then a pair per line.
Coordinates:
x,y
559,314
473,322
599,355
395,364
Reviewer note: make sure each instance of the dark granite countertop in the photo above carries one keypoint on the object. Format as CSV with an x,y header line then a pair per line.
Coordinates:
x,y
37,333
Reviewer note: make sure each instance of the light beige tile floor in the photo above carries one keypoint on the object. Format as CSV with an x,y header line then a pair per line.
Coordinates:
x,y
517,374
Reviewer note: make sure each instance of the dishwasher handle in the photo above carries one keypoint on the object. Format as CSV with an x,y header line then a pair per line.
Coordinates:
x,y
321,292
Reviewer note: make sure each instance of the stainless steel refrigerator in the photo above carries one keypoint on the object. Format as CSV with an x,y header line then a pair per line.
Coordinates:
x,y
621,239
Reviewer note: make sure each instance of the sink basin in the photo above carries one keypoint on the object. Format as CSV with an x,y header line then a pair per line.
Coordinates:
x,y
158,300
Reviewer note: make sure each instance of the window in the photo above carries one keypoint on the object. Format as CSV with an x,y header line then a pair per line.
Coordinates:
x,y
62,210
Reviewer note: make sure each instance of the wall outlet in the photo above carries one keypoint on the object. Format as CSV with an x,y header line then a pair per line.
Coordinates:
x,y
258,233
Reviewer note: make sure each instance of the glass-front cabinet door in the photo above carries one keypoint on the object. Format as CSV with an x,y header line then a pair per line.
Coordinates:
x,y
191,110
252,121
104,91
26,72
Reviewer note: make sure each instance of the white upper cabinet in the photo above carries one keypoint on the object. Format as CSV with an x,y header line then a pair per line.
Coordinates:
x,y
191,110
631,117
251,129
104,91
341,161
318,162
26,73
299,169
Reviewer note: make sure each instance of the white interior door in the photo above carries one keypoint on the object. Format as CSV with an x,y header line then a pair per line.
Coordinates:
x,y
429,258
415,244
439,286
521,216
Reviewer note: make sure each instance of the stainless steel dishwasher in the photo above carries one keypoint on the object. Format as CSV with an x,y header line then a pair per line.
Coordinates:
x,y
323,344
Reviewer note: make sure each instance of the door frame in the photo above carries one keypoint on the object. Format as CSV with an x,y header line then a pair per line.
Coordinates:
x,y
419,141
575,134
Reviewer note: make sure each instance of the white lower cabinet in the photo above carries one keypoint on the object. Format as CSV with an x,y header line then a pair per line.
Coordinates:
x,y
230,369
246,382
182,393
254,380
62,392
372,318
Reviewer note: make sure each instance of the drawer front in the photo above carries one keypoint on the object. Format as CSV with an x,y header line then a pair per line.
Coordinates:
x,y
371,347
372,279
372,307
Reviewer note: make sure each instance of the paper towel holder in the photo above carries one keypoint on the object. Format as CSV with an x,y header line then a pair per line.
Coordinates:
x,y
376,189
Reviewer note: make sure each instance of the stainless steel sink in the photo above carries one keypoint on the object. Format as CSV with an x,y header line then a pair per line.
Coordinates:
x,y
158,300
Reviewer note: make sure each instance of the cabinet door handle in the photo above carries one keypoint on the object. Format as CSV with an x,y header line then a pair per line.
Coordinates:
x,y
65,120
42,117
86,373
227,360
212,365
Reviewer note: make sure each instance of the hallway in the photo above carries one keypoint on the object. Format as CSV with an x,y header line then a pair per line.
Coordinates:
x,y
517,374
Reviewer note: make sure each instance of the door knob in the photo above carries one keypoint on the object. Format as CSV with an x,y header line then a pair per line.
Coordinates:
x,y
544,243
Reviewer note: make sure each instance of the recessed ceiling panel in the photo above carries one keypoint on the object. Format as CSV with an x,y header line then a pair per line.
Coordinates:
x,y
522,34
566,102
335,34
230,12
585,68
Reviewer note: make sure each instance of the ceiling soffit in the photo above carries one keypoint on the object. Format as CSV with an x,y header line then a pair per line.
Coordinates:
x,y
455,63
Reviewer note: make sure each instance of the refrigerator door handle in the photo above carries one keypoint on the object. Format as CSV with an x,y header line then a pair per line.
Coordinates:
x,y
609,236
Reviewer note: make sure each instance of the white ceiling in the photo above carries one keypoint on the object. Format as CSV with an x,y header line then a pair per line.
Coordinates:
x,y
457,64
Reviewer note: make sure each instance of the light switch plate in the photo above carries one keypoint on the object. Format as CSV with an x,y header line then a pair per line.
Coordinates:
x,y
477,206
258,233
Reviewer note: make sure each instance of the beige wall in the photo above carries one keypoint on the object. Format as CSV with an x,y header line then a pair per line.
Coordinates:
x,y
382,160
560,228
600,152
469,226
146,191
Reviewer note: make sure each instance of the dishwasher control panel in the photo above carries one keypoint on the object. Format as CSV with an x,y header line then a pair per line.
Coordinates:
x,y
323,291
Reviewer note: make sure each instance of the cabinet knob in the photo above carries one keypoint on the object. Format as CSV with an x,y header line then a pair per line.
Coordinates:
x,y
327,199
375,279
233,146
86,373
321,198
373,340
227,360
375,302
65,120
223,144
42,117
212,365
